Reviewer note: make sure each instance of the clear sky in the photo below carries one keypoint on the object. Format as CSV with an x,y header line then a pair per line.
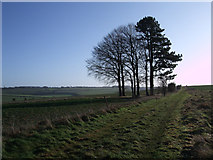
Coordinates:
x,y
48,43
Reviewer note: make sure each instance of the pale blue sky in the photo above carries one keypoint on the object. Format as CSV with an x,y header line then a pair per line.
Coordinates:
x,y
48,43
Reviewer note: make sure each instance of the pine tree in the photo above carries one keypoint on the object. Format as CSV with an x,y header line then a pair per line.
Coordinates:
x,y
151,33
161,61
165,61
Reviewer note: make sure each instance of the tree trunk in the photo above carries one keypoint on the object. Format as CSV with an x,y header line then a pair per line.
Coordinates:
x,y
119,83
151,79
134,85
119,88
137,79
123,82
146,78
151,71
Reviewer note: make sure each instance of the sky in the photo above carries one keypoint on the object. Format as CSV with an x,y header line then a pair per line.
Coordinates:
x,y
47,44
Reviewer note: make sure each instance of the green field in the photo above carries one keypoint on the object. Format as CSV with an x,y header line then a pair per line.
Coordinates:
x,y
203,87
174,127
8,94
23,116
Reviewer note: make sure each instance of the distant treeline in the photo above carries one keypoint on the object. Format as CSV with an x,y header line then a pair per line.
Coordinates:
x,y
60,87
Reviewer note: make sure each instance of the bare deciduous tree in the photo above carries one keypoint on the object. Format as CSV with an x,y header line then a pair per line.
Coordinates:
x,y
107,61
117,59
133,56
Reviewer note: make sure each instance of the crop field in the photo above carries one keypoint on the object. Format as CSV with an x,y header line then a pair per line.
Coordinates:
x,y
174,127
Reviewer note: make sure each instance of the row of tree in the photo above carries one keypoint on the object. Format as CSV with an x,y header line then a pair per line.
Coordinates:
x,y
134,54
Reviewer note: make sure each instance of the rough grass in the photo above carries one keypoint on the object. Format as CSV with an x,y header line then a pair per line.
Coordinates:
x,y
174,127
23,116
197,122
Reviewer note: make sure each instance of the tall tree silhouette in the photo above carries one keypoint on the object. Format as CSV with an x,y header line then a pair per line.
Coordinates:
x,y
145,57
106,63
118,58
133,57
166,61
161,61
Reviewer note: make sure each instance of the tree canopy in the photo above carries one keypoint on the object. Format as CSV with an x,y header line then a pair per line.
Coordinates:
x,y
134,54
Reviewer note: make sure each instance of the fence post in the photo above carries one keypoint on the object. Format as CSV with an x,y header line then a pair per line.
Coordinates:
x,y
106,101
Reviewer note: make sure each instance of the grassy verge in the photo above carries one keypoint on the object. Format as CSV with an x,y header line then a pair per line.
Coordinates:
x,y
24,116
197,122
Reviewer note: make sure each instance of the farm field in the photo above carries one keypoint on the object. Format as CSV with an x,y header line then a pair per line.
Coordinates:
x,y
202,87
23,115
176,126
36,93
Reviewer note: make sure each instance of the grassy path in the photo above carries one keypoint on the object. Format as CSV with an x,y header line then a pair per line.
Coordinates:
x,y
139,131
136,131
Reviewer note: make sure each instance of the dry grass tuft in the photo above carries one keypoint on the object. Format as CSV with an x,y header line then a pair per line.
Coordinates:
x,y
46,124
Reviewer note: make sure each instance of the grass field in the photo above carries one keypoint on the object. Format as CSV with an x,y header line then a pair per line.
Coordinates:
x,y
23,116
202,87
173,127
20,94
